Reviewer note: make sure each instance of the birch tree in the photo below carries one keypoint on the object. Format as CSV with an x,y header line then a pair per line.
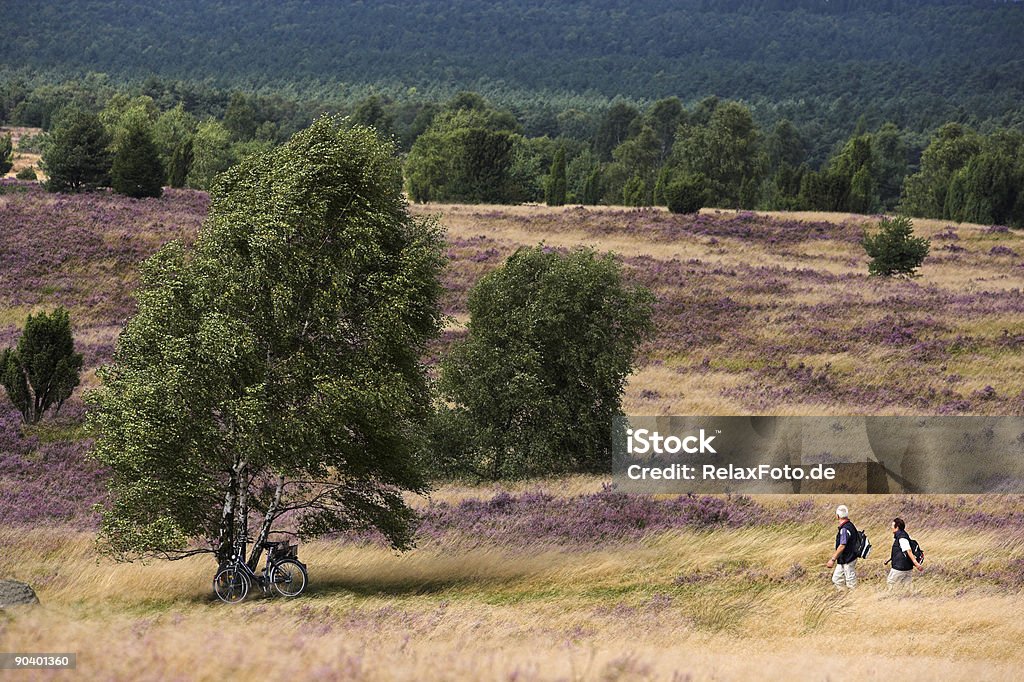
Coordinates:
x,y
272,374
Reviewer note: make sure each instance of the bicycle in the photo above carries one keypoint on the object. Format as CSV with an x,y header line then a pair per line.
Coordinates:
x,y
283,572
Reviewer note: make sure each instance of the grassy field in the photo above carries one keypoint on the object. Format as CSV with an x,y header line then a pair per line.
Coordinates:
x,y
562,580
752,601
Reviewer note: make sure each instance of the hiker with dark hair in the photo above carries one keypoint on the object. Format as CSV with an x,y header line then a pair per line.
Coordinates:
x,y
845,556
905,553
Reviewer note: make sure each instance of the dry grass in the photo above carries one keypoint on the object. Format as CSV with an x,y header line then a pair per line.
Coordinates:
x,y
669,383
609,613
727,604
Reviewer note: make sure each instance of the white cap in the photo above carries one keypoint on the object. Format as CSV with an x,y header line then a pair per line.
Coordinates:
x,y
842,512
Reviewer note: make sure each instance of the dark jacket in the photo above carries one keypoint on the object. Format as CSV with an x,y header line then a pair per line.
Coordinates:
x,y
850,551
899,558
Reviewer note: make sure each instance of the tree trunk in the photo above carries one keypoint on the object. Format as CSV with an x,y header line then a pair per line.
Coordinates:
x,y
268,522
227,520
243,499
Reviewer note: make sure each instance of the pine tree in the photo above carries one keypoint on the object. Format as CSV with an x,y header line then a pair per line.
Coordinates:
x,y
77,158
893,249
138,171
42,370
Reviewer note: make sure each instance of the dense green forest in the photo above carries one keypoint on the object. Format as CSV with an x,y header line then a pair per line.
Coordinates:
x,y
840,106
822,64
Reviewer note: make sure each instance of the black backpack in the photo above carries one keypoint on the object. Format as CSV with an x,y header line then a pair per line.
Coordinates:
x,y
863,545
916,550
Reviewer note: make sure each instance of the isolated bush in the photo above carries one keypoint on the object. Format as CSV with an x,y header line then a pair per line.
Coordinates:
x,y
538,380
893,249
77,156
685,194
27,173
42,370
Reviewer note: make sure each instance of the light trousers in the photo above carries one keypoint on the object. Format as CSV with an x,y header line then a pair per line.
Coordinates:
x,y
899,577
845,575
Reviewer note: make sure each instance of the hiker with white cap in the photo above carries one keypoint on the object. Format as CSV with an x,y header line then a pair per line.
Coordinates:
x,y
845,556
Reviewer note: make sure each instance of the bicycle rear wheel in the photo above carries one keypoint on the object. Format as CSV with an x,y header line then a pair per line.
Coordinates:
x,y
231,585
288,578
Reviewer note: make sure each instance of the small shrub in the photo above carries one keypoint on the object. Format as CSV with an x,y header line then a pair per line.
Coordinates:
x,y
27,173
894,250
42,370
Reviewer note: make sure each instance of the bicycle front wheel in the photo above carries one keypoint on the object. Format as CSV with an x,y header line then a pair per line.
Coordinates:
x,y
288,578
231,585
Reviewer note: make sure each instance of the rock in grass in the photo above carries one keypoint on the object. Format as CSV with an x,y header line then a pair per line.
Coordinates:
x,y
15,593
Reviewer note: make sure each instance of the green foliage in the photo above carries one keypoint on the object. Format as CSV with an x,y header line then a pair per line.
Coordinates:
x,y
277,366
593,188
890,152
967,177
952,148
371,113
27,173
527,178
180,163
32,144
461,157
555,194
894,251
137,170
582,164
614,129
551,342
782,189
784,146
824,191
42,370
725,151
123,114
635,192
663,119
853,167
983,191
77,157
685,194
211,154
6,154
173,132
240,118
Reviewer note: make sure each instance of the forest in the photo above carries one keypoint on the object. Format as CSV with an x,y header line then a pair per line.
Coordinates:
x,y
822,65
808,105
468,150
